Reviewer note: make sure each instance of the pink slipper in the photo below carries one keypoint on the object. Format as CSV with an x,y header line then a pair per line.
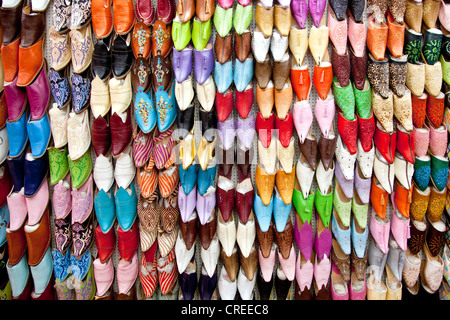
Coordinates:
x,y
288,265
17,206
324,112
103,275
267,264
62,198
304,272
421,141
338,32
37,204
82,201
357,35
438,140
303,119
322,271
127,272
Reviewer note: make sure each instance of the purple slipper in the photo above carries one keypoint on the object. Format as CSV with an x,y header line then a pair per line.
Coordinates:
x,y
227,131
299,9
323,242
346,185
204,63
188,283
182,63
207,285
317,8
362,186
205,205
187,203
304,238
246,130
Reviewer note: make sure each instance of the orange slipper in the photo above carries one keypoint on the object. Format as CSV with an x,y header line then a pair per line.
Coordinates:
x,y
301,81
377,36
283,100
31,60
168,180
123,16
10,59
147,181
323,79
264,184
285,184
396,36
379,198
265,99
402,199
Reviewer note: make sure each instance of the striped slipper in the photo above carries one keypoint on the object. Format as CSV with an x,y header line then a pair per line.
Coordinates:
x,y
167,272
142,148
168,180
166,241
172,294
147,181
147,271
163,146
148,237
150,164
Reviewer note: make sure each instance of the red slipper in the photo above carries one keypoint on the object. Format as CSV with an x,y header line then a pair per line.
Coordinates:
x,y
385,142
244,102
224,104
366,130
264,128
348,130
285,128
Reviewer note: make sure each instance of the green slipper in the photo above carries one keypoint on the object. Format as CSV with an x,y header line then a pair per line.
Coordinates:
x,y
303,206
432,45
6,293
181,33
343,206
223,20
58,164
80,169
201,33
360,211
363,100
63,292
85,289
413,45
345,99
445,69
324,206
243,17
439,171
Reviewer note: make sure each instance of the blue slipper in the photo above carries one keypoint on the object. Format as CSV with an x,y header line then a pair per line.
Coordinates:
x,y
105,209
126,206
4,221
166,107
206,179
281,212
18,130
144,110
39,134
42,273
223,75
263,213
243,73
188,177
